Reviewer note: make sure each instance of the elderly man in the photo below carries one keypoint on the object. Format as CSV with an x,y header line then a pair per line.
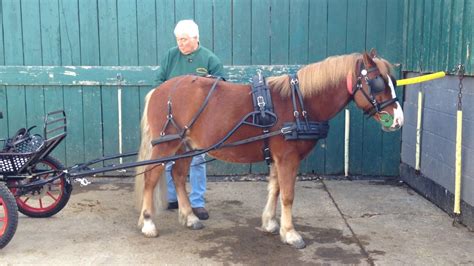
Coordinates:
x,y
189,57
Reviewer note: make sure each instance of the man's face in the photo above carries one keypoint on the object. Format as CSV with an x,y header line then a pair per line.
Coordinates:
x,y
187,44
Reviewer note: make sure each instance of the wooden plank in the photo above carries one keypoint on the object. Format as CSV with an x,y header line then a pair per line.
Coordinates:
x,y
337,26
418,35
73,106
32,56
77,75
107,75
165,27
299,21
261,32
409,42
13,49
241,32
456,39
203,17
372,138
92,111
435,34
426,41
223,31
280,29
109,55
3,108
446,29
184,9
318,22
3,91
51,52
391,141
146,25
127,29
317,50
356,28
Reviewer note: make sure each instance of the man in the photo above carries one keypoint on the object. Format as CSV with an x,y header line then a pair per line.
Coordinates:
x,y
189,57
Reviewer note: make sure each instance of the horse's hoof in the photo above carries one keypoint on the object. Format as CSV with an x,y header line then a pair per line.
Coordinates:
x,y
149,229
293,239
272,227
298,244
197,226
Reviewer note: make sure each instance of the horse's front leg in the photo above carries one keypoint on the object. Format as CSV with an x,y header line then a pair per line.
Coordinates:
x,y
186,216
286,178
269,222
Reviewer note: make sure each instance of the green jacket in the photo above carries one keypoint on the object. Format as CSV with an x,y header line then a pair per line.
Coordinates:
x,y
200,62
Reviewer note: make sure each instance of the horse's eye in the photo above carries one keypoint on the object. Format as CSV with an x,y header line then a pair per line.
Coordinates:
x,y
377,84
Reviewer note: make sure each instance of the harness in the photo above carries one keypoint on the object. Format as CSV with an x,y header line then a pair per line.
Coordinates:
x,y
262,116
375,86
306,130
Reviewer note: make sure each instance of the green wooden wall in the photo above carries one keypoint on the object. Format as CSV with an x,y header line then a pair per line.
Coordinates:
x,y
75,54
438,35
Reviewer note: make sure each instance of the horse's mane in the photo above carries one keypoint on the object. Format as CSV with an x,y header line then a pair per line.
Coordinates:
x,y
329,73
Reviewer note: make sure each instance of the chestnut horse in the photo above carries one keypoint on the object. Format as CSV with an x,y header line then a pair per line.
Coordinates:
x,y
326,88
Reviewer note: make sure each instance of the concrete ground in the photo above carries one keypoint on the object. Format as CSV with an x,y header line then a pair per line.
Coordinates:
x,y
342,222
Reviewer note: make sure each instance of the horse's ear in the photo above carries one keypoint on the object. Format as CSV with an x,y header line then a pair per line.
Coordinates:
x,y
373,53
368,60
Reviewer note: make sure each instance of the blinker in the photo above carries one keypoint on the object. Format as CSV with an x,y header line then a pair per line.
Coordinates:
x,y
376,84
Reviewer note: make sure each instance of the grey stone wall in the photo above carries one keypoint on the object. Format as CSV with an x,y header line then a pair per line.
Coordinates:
x,y
438,136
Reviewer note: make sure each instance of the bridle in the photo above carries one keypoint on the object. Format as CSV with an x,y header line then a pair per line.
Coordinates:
x,y
374,86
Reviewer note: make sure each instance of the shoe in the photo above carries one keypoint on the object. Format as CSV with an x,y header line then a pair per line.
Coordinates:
x,y
201,213
172,205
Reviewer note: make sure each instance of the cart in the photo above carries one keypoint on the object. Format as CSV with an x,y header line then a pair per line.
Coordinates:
x,y
31,180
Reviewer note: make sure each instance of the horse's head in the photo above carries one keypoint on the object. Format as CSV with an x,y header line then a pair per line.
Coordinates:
x,y
374,91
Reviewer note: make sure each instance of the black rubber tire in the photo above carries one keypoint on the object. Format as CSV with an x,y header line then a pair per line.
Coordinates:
x,y
8,216
63,188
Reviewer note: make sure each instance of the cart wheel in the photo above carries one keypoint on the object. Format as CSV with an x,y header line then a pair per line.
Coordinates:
x,y
47,200
8,216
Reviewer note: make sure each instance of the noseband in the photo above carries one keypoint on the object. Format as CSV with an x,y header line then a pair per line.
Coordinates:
x,y
375,86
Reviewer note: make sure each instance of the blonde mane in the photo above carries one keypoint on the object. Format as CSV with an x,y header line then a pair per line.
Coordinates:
x,y
329,73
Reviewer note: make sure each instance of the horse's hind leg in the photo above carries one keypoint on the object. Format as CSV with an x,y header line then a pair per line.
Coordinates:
x,y
269,222
152,176
287,170
186,216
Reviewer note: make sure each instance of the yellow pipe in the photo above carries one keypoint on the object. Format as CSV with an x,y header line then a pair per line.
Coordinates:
x,y
418,132
457,188
419,79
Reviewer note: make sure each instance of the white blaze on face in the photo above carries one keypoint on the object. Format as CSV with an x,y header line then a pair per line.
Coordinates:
x,y
397,112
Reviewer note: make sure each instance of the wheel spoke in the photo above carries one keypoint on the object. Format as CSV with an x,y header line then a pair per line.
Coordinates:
x,y
41,203
52,196
25,200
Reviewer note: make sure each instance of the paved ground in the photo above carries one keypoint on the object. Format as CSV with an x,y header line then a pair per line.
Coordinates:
x,y
342,222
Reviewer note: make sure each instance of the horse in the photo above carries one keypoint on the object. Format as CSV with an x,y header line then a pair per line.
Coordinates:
x,y
203,111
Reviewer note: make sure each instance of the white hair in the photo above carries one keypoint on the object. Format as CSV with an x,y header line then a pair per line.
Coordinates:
x,y
188,27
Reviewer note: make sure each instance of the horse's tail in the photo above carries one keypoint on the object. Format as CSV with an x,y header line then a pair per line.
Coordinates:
x,y
161,200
